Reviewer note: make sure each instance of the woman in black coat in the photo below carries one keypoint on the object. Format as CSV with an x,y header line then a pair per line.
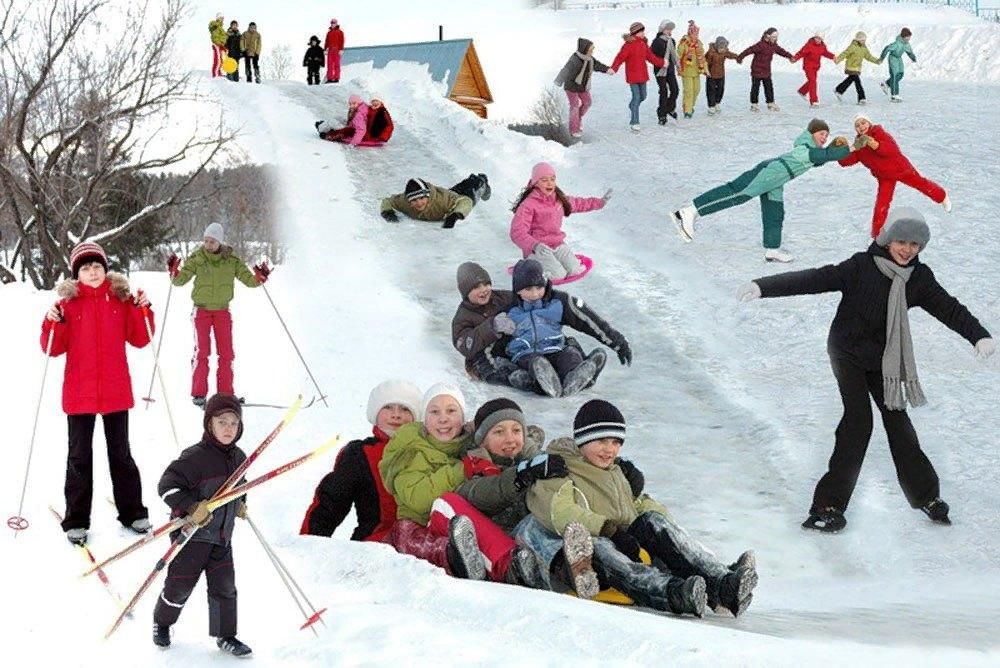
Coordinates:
x,y
872,354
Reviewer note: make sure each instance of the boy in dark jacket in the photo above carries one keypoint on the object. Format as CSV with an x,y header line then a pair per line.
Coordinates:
x,y
479,327
234,48
760,67
574,78
715,83
186,486
665,46
313,60
869,359
537,343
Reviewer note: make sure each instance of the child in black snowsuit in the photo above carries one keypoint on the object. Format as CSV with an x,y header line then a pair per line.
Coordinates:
x,y
537,344
186,485
879,286
234,49
313,60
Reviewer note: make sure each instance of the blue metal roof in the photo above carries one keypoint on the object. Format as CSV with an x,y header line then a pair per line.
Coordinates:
x,y
443,58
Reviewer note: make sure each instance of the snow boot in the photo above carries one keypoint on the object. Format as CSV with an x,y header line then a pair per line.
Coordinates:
x,y
77,536
599,357
464,558
483,192
946,203
937,510
233,646
578,556
735,591
522,380
161,635
827,520
684,219
672,114
524,570
140,526
687,596
771,106
546,377
746,560
754,107
579,378
778,255
198,401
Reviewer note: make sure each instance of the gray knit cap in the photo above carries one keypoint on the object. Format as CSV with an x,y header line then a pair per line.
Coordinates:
x,y
469,275
905,224
666,25
493,413
721,43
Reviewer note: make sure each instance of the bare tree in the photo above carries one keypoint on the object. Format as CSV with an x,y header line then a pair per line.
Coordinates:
x,y
278,65
86,92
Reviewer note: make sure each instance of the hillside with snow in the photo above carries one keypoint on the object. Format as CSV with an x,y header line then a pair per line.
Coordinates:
x,y
731,408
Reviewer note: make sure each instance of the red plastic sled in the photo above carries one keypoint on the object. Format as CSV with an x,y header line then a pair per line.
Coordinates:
x,y
587,263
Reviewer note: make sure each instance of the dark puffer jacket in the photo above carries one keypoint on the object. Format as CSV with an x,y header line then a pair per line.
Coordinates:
x,y
571,70
858,330
472,330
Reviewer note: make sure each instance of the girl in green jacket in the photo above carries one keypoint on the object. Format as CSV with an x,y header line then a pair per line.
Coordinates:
x,y
854,56
894,52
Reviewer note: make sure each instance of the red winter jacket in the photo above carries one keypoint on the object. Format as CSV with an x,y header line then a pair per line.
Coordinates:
x,y
334,39
96,324
763,51
634,53
812,53
886,162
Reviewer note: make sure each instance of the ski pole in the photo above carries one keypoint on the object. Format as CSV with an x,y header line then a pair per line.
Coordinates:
x,y
289,581
17,522
299,352
156,356
163,387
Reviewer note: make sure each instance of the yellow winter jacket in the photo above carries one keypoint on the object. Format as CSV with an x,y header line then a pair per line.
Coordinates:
x,y
855,55
691,57
218,32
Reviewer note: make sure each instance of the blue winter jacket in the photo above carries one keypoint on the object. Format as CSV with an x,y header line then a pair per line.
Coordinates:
x,y
539,328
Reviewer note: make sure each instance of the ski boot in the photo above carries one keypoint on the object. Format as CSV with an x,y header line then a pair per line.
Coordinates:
x,y
827,520
937,510
688,114
895,98
672,114
161,635
233,646
814,104
546,377
862,102
578,555
77,536
464,558
579,378
804,97
256,79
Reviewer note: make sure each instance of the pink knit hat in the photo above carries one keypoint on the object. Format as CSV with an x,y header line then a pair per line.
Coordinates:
x,y
354,99
540,170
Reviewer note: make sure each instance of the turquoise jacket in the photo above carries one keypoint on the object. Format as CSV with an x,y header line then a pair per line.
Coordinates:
x,y
895,53
773,174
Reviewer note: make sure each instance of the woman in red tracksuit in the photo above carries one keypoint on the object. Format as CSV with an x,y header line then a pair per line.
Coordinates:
x,y
94,319
634,53
878,151
811,54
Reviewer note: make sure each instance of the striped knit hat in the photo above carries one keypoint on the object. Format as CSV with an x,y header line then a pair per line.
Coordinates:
x,y
417,188
85,252
598,419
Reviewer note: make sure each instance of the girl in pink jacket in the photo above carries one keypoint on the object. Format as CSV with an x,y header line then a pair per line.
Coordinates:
x,y
538,217
357,124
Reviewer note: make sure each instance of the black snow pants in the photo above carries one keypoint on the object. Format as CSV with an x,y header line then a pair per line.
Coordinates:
x,y
646,585
714,90
914,471
255,62
563,361
845,84
668,94
312,75
216,561
125,481
755,90
468,187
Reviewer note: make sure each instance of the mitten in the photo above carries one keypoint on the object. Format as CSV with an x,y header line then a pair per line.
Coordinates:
x,y
199,514
502,324
841,141
624,352
636,480
173,265
261,272
451,219
625,542
390,216
861,141
985,348
748,292
540,467
478,466
241,510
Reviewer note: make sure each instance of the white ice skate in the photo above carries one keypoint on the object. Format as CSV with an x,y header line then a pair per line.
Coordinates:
x,y
804,96
862,102
754,107
684,220
778,255
814,104
946,204
771,106
840,98
896,98
885,87
711,111
635,128
576,135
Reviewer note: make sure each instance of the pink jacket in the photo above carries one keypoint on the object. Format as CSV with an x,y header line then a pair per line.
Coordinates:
x,y
359,121
539,219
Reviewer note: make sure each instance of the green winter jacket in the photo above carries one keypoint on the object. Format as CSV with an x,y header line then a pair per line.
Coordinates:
x,y
442,202
250,43
854,56
590,495
772,175
417,468
213,275
218,32
895,53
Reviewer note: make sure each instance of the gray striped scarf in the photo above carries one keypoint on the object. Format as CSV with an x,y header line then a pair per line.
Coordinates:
x,y
899,367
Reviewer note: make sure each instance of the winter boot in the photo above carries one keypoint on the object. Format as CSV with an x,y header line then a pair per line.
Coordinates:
x,y
771,106
483,192
827,520
578,378
578,555
946,203
524,570
746,560
546,377
464,558
684,219
778,255
599,357
233,646
754,107
688,114
672,114
522,380
161,635
735,591
77,536
937,510
198,401
687,596
140,526
256,79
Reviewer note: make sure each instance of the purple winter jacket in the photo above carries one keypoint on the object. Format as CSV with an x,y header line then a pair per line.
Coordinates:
x,y
539,219
763,51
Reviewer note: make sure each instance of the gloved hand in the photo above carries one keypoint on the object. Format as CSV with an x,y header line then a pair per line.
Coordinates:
x,y
861,141
748,292
607,195
55,313
199,514
636,480
624,352
261,272
623,540
241,510
985,348
173,265
873,143
840,141
390,216
539,467
502,324
478,466
451,219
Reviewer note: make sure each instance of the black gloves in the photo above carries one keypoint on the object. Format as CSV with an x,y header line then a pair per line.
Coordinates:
x,y
625,542
624,352
539,467
451,219
636,480
390,216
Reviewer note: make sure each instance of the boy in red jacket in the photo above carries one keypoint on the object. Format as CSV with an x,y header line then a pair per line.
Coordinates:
x,y
878,151
811,54
94,318
334,44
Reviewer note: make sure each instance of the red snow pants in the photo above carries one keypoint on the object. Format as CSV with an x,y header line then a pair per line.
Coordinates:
x,y
332,65
810,86
217,55
430,543
205,322
887,187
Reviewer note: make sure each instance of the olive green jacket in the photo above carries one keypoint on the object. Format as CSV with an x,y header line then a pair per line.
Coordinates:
x,y
213,275
442,202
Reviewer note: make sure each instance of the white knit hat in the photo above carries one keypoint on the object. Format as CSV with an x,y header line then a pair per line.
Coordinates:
x,y
437,390
401,392
863,117
215,231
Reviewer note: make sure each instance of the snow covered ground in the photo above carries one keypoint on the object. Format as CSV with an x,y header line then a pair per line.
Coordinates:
x,y
731,408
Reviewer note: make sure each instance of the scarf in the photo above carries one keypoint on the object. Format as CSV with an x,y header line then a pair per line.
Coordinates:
x,y
585,69
899,368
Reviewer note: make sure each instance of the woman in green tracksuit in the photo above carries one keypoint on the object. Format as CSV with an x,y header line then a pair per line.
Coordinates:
x,y
767,181
894,52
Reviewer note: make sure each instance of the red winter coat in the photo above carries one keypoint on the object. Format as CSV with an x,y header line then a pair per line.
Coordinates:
x,y
763,51
886,162
334,39
812,53
634,53
379,125
96,324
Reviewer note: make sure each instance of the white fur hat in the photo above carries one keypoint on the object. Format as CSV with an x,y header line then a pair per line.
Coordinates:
x,y
401,392
437,390
215,231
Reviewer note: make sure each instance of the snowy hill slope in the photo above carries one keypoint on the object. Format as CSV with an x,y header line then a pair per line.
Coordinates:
x,y
731,409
